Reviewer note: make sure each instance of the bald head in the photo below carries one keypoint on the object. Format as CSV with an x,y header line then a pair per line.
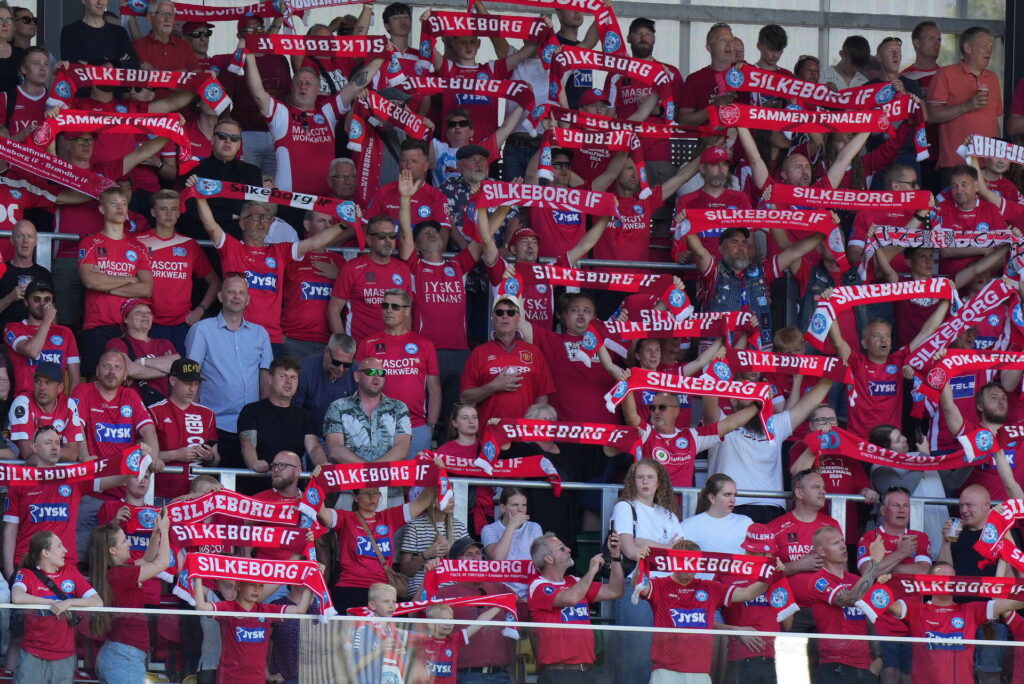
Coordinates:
x,y
975,503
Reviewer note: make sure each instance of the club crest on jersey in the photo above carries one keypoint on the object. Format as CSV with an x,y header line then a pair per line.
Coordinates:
x,y
56,340
147,518
397,279
412,348
541,288
424,212
121,109
126,411
131,255
957,622
891,369
449,271
319,119
68,586
779,598
271,262
982,226
880,598
701,595
381,530
589,341
64,490
682,443
734,78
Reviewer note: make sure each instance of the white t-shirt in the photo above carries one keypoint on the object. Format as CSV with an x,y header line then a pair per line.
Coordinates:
x,y
519,549
754,461
721,535
652,522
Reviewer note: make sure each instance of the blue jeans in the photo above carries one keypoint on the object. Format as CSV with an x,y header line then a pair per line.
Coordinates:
x,y
514,160
119,663
629,653
758,670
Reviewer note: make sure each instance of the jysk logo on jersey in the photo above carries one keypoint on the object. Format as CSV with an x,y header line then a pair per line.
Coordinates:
x,y
262,281
576,613
49,512
113,433
257,635
316,291
566,218
878,388
694,617
439,669
853,613
944,646
364,547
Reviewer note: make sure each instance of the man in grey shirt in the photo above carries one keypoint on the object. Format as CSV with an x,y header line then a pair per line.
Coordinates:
x,y
368,426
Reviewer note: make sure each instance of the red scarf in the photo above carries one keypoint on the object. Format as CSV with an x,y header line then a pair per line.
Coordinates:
x,y
496,194
850,199
654,381
700,220
622,437
598,122
130,461
504,601
936,237
798,120
526,467
45,165
840,442
957,585
608,30
368,146
643,71
367,47
304,573
454,570
79,121
616,282
991,148
517,91
797,364
440,23
848,296
68,81
654,323
997,525
343,477
234,505
344,210
750,79
255,536
963,361
575,139
195,13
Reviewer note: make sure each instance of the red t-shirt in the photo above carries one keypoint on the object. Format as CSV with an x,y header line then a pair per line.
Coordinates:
x,y
690,606
483,110
244,642
440,290
112,425
627,95
59,347
175,262
877,394
756,614
678,451
428,204
834,619
582,388
523,359
177,428
886,624
48,507
588,163
628,238
537,295
558,230
16,196
409,63
911,315
1016,624
948,662
128,628
442,654
985,473
28,111
26,416
562,646
264,270
795,539
982,217
360,566
702,87
284,553
124,257
304,144
47,636
408,358
83,219
306,294
362,283
150,349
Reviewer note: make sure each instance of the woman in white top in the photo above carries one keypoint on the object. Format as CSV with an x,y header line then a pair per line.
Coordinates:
x,y
715,527
646,515
509,537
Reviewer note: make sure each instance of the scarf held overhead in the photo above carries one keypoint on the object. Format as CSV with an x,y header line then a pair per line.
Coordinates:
x,y
517,91
465,570
616,282
233,505
497,194
798,120
608,31
318,46
440,23
750,79
650,73
68,81
28,476
796,364
343,477
616,141
525,430
519,468
911,200
839,442
654,323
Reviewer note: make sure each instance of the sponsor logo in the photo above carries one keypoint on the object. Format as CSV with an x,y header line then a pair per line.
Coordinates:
x,y
549,590
577,613
48,512
688,617
365,548
821,584
878,388
612,42
853,613
251,636
113,432
316,291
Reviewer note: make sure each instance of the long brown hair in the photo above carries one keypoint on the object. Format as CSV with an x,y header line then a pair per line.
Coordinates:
x,y
103,539
712,487
39,542
663,496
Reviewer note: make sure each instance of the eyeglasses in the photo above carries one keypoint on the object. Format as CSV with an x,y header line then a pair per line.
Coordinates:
x,y
343,176
383,236
200,34
502,313
282,466
253,29
661,407
561,165
164,15
27,20
826,420
258,218
6,21
461,123
373,372
233,137
393,306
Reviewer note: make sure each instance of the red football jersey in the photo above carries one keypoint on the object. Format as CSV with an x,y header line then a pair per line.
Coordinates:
x,y
557,230
362,283
175,262
700,199
877,394
177,428
628,236
138,529
483,110
49,507
26,416
689,606
583,388
440,289
946,662
124,257
794,539
886,624
47,636
59,347
522,358
112,425
284,553
427,204
304,144
833,619
678,451
360,566
562,646
264,271
306,294
244,642
408,359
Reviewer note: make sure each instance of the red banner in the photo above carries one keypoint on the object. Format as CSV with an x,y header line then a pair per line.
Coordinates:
x,y
461,570
796,364
68,81
798,120
750,79
318,46
45,165
840,442
497,194
850,199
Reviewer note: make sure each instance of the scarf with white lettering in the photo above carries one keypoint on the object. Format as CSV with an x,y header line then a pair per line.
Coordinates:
x,y
519,468
655,381
192,535
850,199
654,323
962,362
367,47
45,165
440,23
345,211
957,585
68,81
343,477
131,461
935,237
519,92
574,139
232,504
607,23
997,525
507,602
616,282
599,122
497,194
623,437
369,147
797,120
647,72
187,12
848,296
305,573
157,125
796,364
993,148
751,79
840,442
455,570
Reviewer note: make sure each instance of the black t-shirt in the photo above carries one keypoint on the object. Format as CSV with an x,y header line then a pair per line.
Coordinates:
x,y
10,69
9,281
80,42
277,428
577,82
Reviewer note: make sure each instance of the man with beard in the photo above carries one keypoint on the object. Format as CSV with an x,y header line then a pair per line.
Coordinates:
x,y
428,203
714,193
46,404
459,189
369,426
284,488
39,338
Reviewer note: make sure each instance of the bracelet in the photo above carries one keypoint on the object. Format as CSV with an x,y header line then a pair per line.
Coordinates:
x,y
920,218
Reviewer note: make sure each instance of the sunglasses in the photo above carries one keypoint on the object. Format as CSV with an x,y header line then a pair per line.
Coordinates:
x,y
233,137
502,313
340,364
253,29
200,34
373,372
393,306
661,407
28,20
461,123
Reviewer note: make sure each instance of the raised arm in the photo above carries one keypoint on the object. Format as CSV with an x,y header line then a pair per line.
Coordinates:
x,y
815,396
758,169
255,82
845,158
587,242
407,187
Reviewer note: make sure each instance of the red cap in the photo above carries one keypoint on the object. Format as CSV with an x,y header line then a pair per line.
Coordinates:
x,y
593,96
760,539
190,26
519,235
129,304
714,155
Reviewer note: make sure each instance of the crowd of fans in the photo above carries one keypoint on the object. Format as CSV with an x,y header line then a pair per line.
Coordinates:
x,y
273,353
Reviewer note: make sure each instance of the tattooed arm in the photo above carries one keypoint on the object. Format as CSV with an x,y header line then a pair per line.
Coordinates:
x,y
869,571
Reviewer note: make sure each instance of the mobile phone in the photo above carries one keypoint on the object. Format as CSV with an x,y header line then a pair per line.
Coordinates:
x,y
212,443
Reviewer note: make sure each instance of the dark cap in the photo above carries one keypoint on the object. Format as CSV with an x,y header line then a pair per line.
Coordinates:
x,y
422,225
467,151
641,22
39,286
462,545
395,94
49,370
729,232
185,369
190,26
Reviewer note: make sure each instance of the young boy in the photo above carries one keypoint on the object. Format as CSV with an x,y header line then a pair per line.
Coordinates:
x,y
444,642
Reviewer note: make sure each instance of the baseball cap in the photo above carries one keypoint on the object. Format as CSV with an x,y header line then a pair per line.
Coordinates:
x,y
593,96
50,370
395,94
419,227
714,155
513,300
462,545
467,151
39,286
519,235
190,26
641,22
185,369
760,539
130,304
729,232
